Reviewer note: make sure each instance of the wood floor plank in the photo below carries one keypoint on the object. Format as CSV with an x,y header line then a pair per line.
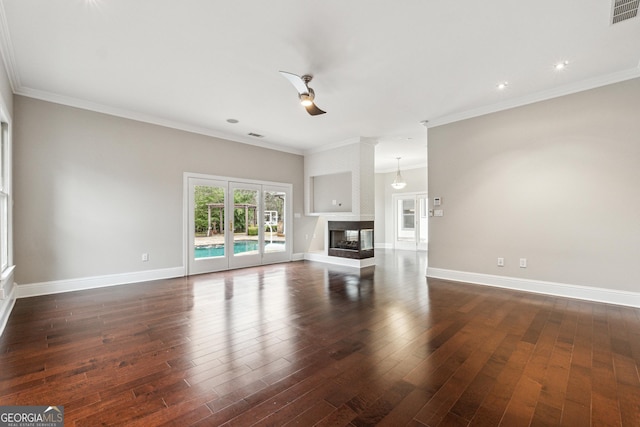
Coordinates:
x,y
306,343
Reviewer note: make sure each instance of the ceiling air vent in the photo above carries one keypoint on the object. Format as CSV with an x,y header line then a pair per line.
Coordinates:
x,y
256,135
624,9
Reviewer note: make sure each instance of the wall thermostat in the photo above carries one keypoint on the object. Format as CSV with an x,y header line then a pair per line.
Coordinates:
x,y
437,201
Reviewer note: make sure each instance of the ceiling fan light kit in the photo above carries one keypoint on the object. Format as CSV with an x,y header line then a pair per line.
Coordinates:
x,y
306,100
305,93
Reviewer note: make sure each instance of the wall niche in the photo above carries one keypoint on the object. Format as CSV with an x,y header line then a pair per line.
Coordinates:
x,y
331,193
340,181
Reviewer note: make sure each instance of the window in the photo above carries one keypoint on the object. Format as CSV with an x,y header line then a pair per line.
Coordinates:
x,y
4,197
408,214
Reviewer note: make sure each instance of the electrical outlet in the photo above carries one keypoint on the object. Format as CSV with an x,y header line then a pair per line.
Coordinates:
x,y
145,257
523,263
500,262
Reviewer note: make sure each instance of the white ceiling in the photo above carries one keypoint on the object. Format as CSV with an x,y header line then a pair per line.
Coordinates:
x,y
380,67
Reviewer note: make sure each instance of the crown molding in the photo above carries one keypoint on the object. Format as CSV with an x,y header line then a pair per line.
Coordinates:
x,y
6,50
331,146
569,89
407,167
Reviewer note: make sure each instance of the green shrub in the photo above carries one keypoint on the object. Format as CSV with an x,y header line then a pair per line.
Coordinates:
x,y
252,231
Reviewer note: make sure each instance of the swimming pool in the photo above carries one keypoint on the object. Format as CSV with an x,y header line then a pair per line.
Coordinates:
x,y
239,246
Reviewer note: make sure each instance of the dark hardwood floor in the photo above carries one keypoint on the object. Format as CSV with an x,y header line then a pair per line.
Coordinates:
x,y
310,344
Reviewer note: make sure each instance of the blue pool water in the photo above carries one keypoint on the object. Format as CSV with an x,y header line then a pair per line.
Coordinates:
x,y
218,250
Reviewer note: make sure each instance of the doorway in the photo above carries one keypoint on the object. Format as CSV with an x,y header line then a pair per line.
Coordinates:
x,y
234,223
410,221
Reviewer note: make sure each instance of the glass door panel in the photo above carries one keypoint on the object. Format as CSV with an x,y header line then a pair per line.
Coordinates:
x,y
274,235
276,224
247,234
207,238
422,222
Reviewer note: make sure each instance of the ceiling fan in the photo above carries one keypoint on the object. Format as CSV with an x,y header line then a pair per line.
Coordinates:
x,y
305,93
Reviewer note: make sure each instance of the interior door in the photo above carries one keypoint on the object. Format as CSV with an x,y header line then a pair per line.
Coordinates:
x,y
207,246
422,220
410,221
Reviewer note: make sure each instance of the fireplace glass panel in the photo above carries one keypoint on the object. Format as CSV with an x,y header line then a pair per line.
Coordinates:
x,y
366,240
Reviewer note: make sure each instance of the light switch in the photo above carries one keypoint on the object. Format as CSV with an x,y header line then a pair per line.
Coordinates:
x,y
438,212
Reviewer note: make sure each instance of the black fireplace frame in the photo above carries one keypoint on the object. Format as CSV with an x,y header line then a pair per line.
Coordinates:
x,y
346,248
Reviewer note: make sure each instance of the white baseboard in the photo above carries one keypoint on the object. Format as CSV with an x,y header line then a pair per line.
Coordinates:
x,y
383,246
609,296
297,257
59,286
6,306
347,262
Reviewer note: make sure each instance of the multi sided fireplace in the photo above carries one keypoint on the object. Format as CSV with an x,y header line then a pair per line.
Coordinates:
x,y
351,239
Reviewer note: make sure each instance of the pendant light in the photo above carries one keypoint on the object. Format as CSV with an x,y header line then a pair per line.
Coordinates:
x,y
399,183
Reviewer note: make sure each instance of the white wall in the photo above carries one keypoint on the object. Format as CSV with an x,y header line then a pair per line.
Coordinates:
x,y
331,193
356,158
93,191
556,182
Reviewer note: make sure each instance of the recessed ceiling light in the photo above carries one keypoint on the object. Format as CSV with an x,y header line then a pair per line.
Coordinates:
x,y
561,65
232,121
502,86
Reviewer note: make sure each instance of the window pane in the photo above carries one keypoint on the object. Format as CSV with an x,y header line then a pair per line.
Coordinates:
x,y
4,197
408,214
208,221
3,155
245,222
4,229
274,232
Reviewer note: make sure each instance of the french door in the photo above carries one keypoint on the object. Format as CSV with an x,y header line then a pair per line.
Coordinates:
x,y
410,221
234,223
247,237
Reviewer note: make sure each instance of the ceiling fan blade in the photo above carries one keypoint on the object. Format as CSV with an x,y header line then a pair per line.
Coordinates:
x,y
296,81
314,110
